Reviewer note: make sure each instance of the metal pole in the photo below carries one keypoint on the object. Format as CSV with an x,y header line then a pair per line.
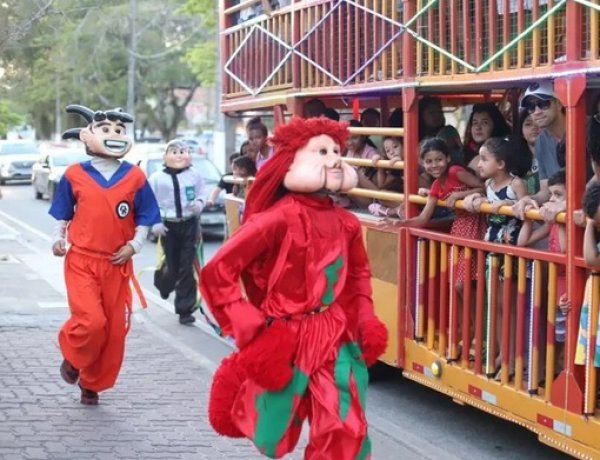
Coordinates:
x,y
132,58
57,108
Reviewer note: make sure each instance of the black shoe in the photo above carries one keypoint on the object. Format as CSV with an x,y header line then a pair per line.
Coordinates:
x,y
186,319
69,373
164,295
88,397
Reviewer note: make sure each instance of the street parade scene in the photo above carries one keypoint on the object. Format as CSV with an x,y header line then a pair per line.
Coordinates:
x,y
300,229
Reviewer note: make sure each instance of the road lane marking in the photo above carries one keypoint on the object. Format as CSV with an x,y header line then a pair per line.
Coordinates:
x,y
26,226
154,298
61,304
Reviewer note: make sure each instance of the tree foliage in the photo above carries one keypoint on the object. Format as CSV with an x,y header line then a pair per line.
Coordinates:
x,y
18,17
8,119
202,58
79,51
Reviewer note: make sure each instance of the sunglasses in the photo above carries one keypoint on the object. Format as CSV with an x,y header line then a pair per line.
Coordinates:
x,y
542,104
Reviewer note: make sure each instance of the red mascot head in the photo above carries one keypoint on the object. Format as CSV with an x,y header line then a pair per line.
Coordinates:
x,y
307,159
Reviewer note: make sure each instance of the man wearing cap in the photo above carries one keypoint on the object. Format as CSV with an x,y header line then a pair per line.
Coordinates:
x,y
548,113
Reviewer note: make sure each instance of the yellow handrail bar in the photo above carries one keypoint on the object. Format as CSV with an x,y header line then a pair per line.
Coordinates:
x,y
398,132
240,6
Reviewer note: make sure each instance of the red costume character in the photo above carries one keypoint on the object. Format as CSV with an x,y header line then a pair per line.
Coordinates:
x,y
305,327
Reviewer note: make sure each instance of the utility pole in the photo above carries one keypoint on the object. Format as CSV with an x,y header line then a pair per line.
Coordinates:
x,y
224,134
58,109
131,68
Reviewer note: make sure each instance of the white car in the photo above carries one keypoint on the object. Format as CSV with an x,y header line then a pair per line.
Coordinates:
x,y
50,167
16,160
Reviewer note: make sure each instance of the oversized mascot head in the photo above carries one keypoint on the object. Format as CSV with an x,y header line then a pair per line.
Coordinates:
x,y
177,155
105,134
307,159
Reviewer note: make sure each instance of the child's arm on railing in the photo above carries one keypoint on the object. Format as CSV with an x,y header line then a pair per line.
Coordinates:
x,y
590,249
455,196
210,202
528,236
422,219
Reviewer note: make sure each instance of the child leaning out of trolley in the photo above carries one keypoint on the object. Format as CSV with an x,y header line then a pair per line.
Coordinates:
x,y
557,240
222,185
591,254
501,162
388,179
393,150
242,168
451,183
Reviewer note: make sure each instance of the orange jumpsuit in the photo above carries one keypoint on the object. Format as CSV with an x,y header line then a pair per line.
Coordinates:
x,y
103,215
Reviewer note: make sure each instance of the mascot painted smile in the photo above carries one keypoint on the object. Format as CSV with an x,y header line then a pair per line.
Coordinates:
x,y
304,323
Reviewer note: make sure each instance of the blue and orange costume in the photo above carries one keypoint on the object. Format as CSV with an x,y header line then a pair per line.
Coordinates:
x,y
305,328
102,215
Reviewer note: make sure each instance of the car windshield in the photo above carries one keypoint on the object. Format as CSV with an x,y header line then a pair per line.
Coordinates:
x,y
209,171
65,159
154,165
18,148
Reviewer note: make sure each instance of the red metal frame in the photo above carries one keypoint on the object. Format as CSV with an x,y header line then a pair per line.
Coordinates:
x,y
442,322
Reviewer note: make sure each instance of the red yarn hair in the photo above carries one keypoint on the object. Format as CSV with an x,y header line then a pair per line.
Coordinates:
x,y
287,140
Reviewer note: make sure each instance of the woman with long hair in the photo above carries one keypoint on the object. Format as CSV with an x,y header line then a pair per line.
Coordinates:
x,y
485,121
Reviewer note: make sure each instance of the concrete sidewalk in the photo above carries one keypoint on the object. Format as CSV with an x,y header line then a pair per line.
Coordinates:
x,y
157,409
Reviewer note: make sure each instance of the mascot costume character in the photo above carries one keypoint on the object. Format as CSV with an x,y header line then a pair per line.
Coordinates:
x,y
179,190
304,323
107,207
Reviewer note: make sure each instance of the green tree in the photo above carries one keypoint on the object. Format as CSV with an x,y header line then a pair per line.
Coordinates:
x,y
202,58
79,53
18,17
8,119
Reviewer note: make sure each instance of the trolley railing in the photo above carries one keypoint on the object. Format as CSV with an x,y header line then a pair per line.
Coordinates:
x,y
502,325
309,46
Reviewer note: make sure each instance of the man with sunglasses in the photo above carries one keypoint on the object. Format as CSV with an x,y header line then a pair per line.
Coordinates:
x,y
104,208
548,113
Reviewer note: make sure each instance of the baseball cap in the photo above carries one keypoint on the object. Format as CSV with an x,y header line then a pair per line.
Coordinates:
x,y
541,90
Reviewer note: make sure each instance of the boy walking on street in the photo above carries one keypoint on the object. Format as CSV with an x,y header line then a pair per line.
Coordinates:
x,y
179,189
104,208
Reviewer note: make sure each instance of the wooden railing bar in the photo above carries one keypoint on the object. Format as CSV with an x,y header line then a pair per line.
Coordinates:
x,y
520,28
506,33
454,36
551,34
240,6
431,37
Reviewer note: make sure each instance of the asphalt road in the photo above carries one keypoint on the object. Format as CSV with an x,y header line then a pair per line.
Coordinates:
x,y
397,408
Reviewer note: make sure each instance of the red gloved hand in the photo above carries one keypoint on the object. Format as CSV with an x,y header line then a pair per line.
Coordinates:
x,y
246,321
372,338
268,359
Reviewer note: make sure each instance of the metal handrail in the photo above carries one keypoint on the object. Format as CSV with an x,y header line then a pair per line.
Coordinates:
x,y
366,163
241,6
395,132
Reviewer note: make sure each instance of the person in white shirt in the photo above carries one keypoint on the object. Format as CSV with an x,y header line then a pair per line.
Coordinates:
x,y
179,190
